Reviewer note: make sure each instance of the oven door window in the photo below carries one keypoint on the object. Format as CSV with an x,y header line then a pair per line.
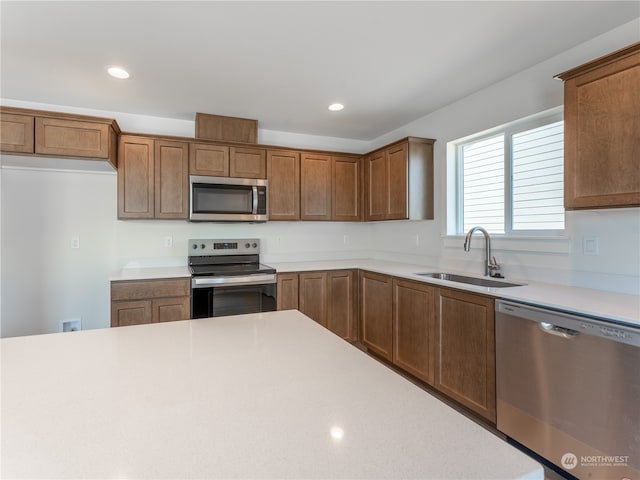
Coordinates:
x,y
233,300
222,198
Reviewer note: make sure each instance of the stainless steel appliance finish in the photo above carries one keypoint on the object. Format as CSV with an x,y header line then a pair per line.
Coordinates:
x,y
228,278
568,388
226,199
483,282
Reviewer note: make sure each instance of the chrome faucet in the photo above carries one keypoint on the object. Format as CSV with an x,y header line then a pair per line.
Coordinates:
x,y
491,267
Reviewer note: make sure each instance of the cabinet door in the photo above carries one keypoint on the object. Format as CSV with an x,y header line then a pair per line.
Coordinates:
x,y
247,162
211,160
315,187
414,328
16,133
376,313
346,191
135,177
465,368
396,183
171,309
287,293
171,179
376,186
283,173
313,296
76,138
602,143
130,313
342,303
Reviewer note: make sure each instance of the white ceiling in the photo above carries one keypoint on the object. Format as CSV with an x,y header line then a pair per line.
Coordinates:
x,y
282,63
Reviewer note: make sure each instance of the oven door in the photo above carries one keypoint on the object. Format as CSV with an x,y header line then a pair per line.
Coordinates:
x,y
219,296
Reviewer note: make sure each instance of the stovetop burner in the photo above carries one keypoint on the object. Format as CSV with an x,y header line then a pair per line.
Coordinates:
x,y
231,269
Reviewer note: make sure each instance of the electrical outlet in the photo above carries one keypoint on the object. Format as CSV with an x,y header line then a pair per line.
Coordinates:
x,y
345,239
72,325
75,242
417,240
168,241
591,246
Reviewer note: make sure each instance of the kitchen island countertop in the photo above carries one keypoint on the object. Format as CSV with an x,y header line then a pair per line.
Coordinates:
x,y
271,395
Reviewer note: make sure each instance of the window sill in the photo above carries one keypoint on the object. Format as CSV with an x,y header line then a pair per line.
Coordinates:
x,y
531,244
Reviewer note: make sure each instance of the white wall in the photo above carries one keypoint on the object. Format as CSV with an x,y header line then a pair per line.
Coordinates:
x,y
44,281
534,90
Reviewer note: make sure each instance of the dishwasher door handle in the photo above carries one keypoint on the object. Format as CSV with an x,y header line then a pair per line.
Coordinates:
x,y
552,329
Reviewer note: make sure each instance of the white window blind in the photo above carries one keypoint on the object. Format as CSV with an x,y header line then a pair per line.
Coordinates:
x,y
538,178
483,184
511,180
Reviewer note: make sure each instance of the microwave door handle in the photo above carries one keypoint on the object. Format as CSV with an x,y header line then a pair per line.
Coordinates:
x,y
254,189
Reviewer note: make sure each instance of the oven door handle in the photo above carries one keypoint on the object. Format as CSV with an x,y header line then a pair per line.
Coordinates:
x,y
203,282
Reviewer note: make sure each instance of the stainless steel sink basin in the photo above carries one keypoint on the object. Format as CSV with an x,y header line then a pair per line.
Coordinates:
x,y
483,282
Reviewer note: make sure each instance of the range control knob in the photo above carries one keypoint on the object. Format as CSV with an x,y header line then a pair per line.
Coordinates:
x,y
194,246
246,245
255,245
203,246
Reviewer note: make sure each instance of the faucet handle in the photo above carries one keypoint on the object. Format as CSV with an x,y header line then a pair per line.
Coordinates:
x,y
494,265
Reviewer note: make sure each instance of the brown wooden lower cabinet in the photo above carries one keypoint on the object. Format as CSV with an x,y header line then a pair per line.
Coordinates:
x,y
287,293
414,328
328,297
441,336
150,301
465,365
376,310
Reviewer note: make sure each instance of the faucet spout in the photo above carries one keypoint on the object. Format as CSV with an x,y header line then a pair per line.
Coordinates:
x,y
490,261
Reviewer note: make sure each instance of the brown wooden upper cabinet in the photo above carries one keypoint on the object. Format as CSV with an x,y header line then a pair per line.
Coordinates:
x,y
602,131
225,161
330,187
54,134
346,188
16,133
399,181
247,162
210,160
283,174
315,186
152,178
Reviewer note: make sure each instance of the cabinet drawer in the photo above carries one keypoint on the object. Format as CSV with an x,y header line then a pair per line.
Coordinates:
x,y
54,136
147,289
16,133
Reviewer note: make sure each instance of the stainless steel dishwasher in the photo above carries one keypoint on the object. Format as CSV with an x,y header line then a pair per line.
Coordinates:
x,y
568,388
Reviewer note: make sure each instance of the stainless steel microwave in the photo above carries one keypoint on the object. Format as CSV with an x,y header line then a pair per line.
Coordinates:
x,y
226,199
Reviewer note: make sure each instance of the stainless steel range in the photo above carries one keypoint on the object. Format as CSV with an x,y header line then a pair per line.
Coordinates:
x,y
227,278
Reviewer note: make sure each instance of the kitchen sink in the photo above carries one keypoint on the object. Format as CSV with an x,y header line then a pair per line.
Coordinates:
x,y
483,282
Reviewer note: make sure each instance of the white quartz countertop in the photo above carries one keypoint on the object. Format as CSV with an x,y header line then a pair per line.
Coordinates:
x,y
271,395
616,307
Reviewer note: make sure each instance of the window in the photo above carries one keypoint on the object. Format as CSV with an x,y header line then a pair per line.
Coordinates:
x,y
511,180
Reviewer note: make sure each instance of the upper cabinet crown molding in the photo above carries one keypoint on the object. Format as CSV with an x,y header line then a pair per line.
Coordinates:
x,y
602,131
54,134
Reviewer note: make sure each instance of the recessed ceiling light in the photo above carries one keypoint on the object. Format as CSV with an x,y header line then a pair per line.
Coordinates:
x,y
336,107
118,72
